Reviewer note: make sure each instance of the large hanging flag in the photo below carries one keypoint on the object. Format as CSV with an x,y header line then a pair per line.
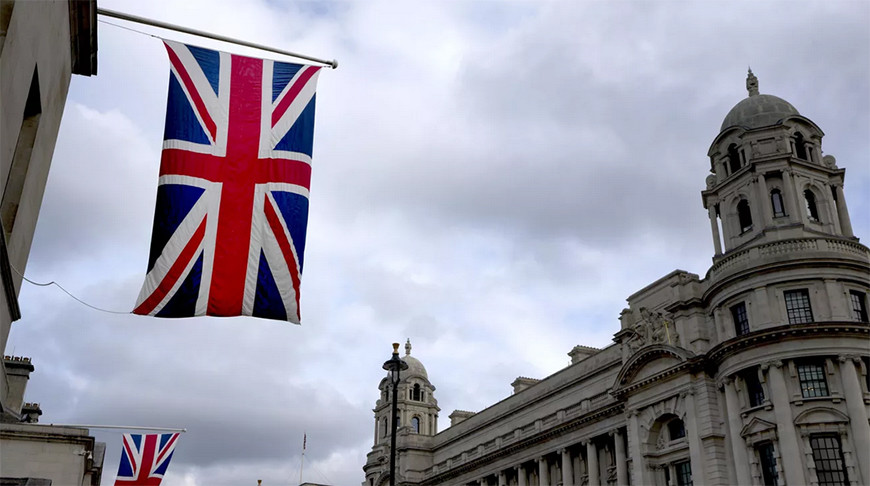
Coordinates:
x,y
145,458
232,199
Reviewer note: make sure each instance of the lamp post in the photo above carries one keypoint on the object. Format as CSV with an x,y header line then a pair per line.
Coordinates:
x,y
394,365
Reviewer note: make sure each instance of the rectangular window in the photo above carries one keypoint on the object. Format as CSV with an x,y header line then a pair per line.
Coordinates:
x,y
769,475
684,473
741,320
797,306
828,456
754,390
859,306
812,378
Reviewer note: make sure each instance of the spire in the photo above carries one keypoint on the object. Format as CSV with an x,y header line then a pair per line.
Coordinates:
x,y
408,347
751,83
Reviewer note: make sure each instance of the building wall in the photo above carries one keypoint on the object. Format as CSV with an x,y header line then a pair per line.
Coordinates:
x,y
35,54
65,455
42,43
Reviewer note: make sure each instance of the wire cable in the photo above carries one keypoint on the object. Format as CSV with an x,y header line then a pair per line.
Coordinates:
x,y
67,292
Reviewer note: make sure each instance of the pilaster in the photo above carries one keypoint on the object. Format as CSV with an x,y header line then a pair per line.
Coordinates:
x,y
793,466
735,426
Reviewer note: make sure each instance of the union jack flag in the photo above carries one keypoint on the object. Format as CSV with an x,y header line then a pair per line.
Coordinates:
x,y
144,459
232,198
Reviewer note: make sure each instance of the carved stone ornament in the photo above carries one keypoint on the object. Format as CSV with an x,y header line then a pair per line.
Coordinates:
x,y
829,161
653,328
711,181
662,442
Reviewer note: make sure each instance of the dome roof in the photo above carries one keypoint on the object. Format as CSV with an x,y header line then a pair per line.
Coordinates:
x,y
757,110
415,368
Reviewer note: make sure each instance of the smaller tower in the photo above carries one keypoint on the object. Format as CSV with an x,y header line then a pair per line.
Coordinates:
x,y
417,417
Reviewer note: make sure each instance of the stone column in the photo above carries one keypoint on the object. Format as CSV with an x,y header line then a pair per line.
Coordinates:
x,y
794,208
764,200
693,433
592,464
567,468
857,413
502,478
735,425
521,476
621,465
843,212
792,465
800,200
543,471
714,227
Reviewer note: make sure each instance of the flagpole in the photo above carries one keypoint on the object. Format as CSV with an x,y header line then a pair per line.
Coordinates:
x,y
302,464
201,33
125,427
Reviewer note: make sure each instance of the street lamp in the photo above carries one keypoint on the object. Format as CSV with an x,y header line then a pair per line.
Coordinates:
x,y
394,365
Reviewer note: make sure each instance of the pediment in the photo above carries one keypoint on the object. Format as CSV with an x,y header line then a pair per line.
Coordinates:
x,y
821,415
757,426
649,362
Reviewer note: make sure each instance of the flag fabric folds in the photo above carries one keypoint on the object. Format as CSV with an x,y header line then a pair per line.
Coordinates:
x,y
145,458
232,199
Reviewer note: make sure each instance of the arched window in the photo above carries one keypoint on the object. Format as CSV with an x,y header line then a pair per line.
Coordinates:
x,y
812,210
776,202
800,147
676,429
744,215
733,158
415,425
415,392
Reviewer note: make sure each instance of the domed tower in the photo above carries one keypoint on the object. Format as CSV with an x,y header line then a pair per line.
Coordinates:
x,y
417,415
787,299
769,179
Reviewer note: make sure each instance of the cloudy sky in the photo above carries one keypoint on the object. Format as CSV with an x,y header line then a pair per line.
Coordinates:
x,y
491,180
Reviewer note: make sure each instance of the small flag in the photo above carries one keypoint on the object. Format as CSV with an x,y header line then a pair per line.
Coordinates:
x,y
144,459
232,198
304,440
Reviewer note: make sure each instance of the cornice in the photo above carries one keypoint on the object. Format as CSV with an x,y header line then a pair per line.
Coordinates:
x,y
574,424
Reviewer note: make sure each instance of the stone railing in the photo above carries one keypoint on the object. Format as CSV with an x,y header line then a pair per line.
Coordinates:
x,y
796,248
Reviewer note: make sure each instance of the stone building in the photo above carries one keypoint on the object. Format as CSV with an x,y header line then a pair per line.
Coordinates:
x,y
42,44
755,374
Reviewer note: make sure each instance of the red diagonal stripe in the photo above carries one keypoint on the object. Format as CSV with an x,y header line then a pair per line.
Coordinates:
x,y
284,244
130,454
174,272
166,448
294,91
194,94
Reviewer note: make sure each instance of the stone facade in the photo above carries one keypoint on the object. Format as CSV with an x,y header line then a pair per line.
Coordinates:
x,y
755,374
42,44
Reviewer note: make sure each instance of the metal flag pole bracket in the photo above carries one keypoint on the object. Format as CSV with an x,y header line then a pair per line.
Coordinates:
x,y
165,25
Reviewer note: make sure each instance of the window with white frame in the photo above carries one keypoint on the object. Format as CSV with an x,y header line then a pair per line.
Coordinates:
x,y
797,306
828,459
811,375
858,301
741,319
767,460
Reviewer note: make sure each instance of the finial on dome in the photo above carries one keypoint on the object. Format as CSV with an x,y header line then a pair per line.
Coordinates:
x,y
751,83
408,347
